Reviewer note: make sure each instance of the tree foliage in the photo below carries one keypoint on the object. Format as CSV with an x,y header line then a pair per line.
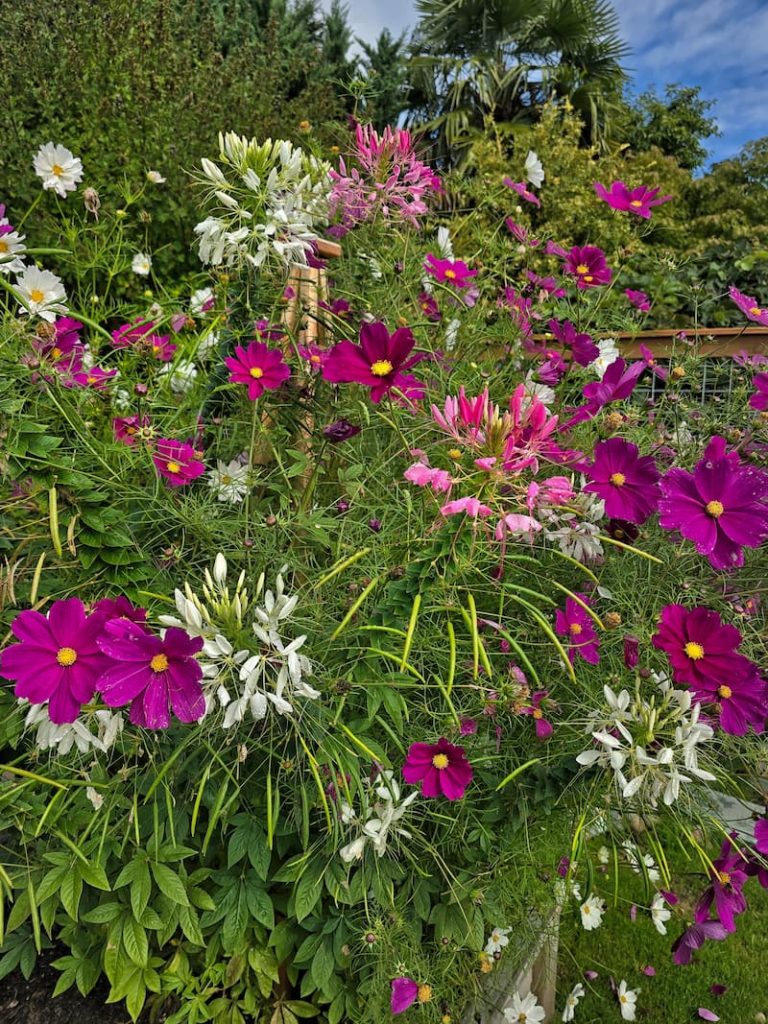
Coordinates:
x,y
678,124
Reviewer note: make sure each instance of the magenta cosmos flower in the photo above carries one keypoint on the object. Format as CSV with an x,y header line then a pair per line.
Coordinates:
x,y
721,506
617,383
154,675
701,648
64,350
96,378
57,659
760,398
523,191
627,481
587,264
377,362
128,429
730,872
749,307
441,768
583,350
452,272
260,367
544,729
405,992
177,462
575,624
635,200
638,299
694,938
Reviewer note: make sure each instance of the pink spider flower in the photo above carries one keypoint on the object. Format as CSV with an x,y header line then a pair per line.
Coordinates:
x,y
638,299
760,398
576,624
749,307
155,675
722,506
587,264
529,434
544,728
441,768
634,200
455,273
423,475
177,462
127,429
465,419
471,506
625,480
259,367
521,188
57,658
378,362
517,523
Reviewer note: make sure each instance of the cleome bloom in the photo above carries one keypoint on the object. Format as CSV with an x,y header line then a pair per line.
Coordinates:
x,y
259,367
179,463
441,768
57,658
59,169
635,200
625,480
377,362
722,506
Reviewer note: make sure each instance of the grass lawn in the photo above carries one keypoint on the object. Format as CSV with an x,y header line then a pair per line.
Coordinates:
x,y
622,948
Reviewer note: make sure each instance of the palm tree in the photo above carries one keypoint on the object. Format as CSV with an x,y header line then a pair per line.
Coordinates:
x,y
476,60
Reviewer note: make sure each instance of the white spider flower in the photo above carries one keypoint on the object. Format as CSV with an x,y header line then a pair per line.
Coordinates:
x,y
381,818
93,730
59,169
180,376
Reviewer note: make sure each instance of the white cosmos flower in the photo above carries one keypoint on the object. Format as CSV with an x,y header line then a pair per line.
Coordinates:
x,y
43,293
155,178
534,389
12,249
58,168
207,344
141,264
200,298
592,910
181,377
534,170
497,940
572,1001
524,1010
609,353
444,244
230,481
627,999
660,914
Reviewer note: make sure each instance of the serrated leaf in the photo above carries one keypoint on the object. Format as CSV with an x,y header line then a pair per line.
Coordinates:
x,y
169,883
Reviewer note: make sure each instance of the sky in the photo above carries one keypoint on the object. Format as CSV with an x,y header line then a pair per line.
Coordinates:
x,y
721,45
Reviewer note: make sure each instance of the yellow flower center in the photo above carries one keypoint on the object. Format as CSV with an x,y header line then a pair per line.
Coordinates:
x,y
425,993
315,359
582,269
522,1018
36,295
635,202
715,509
226,478
92,380
622,999
724,877
756,311
586,909
58,170
618,479
66,656
725,691
56,352
173,467
256,372
575,628
588,277
694,651
381,368
4,247
451,275
159,663
440,761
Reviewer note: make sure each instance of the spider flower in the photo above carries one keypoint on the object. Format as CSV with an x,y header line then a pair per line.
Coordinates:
x,y
57,658
155,675
587,264
576,624
722,506
259,367
441,768
625,480
638,200
378,362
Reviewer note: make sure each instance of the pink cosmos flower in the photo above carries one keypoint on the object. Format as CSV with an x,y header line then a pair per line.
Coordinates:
x,y
761,836
631,651
587,264
314,355
57,659
404,994
126,428
429,307
546,285
119,608
722,506
728,875
154,675
694,938
441,768
64,351
582,348
638,299
701,648
760,398
574,623
651,362
617,383
749,307
472,506
130,334
452,272
523,191
259,367
378,362
739,704
96,378
179,463
544,729
636,200
625,480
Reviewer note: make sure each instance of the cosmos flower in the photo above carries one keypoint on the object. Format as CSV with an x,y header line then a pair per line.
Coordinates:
x,y
378,362
42,292
749,307
259,367
627,1000
58,169
12,249
728,874
341,430
572,1001
544,728
441,768
472,506
429,307
617,383
722,506
524,1010
638,299
141,264
701,648
451,272
625,480
404,993
576,624
57,658
587,264
695,937
97,378
534,169
592,910
230,481
523,191
177,462
636,200
760,398
581,346
652,363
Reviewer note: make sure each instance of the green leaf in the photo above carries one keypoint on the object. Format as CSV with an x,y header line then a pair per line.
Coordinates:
x,y
136,995
71,890
259,904
323,965
141,887
169,883
308,891
302,1008
135,942
103,914
190,925
95,876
